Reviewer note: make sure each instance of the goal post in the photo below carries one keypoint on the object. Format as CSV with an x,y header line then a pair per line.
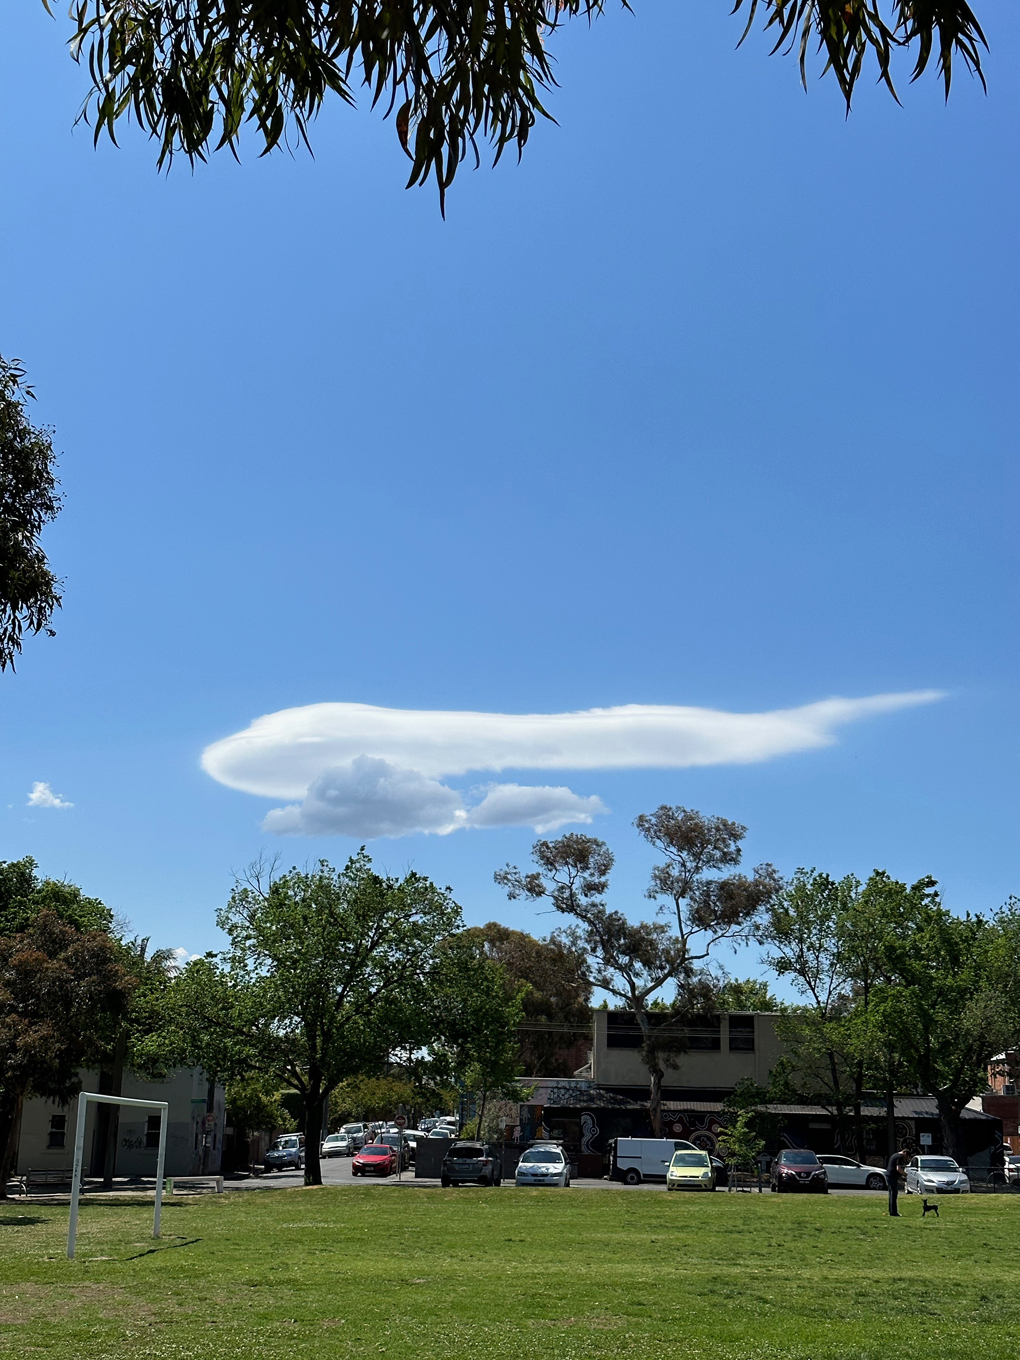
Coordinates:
x,y
79,1154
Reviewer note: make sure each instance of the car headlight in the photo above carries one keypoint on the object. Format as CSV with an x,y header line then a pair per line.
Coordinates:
x,y
706,1175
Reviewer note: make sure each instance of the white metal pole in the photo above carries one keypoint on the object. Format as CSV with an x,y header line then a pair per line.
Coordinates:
x,y
79,1150
160,1164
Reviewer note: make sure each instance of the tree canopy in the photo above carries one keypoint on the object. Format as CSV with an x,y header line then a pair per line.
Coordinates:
x,y
194,72
331,973
61,992
557,1002
29,591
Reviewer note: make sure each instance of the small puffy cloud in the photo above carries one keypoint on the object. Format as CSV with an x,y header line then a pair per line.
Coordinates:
x,y
181,957
372,797
368,798
543,808
42,796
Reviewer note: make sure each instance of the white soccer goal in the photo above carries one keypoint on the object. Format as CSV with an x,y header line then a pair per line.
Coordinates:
x,y
79,1151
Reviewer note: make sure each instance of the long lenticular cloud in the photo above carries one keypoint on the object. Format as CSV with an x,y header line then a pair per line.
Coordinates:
x,y
282,754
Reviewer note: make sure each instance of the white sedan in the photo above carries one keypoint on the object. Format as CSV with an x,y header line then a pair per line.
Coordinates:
x,y
543,1166
336,1145
844,1173
936,1176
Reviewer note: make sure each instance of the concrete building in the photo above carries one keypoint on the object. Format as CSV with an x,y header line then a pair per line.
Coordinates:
x,y
194,1140
722,1049
608,1098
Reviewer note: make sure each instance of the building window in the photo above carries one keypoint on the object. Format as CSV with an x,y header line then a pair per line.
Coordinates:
x,y
58,1131
701,1032
741,1033
152,1130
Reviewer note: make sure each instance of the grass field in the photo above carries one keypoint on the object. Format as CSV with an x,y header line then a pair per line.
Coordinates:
x,y
500,1273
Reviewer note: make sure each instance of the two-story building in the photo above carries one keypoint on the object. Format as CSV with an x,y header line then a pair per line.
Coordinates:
x,y
194,1139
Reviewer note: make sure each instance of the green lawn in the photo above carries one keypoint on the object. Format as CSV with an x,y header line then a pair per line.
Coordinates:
x,y
443,1274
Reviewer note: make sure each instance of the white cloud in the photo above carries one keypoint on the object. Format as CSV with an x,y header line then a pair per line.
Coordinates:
x,y
180,957
368,798
371,797
42,796
543,808
283,754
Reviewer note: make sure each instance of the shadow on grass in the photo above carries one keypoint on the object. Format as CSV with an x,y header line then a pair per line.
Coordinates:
x,y
21,1221
164,1246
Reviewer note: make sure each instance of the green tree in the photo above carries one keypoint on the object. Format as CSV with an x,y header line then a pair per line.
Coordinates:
x,y
951,1001
29,591
372,1097
60,990
742,1144
826,936
23,895
327,975
455,73
557,1002
634,962
747,994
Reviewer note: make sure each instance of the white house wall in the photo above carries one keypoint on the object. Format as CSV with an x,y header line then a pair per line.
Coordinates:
x,y
185,1090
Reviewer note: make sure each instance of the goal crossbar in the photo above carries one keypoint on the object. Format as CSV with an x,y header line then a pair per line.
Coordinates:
x,y
79,1152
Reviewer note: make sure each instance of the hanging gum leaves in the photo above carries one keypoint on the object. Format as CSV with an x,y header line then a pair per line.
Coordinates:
x,y
29,591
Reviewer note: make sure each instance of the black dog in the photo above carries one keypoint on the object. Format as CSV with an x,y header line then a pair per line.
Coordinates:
x,y
927,1208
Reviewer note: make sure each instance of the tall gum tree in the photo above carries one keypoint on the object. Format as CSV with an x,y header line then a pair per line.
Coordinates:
x,y
634,962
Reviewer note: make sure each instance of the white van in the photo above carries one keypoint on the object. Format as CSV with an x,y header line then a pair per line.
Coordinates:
x,y
633,1160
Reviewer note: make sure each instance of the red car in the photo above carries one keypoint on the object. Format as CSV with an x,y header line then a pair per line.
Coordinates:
x,y
374,1159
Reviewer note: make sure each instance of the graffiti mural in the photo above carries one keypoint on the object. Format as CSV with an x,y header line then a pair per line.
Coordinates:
x,y
589,1132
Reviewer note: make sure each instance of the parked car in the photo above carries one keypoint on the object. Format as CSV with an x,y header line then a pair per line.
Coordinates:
x,y
797,1169
1012,1170
357,1135
335,1145
375,1159
543,1164
936,1176
427,1125
288,1152
475,1162
843,1173
400,1148
690,1171
633,1160
441,1132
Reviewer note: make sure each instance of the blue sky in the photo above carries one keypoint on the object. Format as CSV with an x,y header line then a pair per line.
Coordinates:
x,y
710,402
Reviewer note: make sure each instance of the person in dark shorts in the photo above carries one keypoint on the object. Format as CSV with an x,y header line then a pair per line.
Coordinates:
x,y
894,1171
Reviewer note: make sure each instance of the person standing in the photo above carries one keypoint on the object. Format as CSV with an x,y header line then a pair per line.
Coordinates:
x,y
894,1172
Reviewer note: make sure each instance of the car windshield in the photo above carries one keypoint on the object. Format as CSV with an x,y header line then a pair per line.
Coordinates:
x,y
336,1138
282,1143
1013,1161
352,1128
798,1159
376,1150
550,1156
937,1164
467,1150
690,1159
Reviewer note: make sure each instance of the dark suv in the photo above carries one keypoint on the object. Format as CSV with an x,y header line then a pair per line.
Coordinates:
x,y
474,1162
796,1169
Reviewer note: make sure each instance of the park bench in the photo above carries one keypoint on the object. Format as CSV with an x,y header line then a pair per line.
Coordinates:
x,y
52,1176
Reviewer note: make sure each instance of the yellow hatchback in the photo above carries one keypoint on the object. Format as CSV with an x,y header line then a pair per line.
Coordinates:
x,y
690,1171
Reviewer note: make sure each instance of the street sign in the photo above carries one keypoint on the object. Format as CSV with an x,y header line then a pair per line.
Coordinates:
x,y
400,1122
